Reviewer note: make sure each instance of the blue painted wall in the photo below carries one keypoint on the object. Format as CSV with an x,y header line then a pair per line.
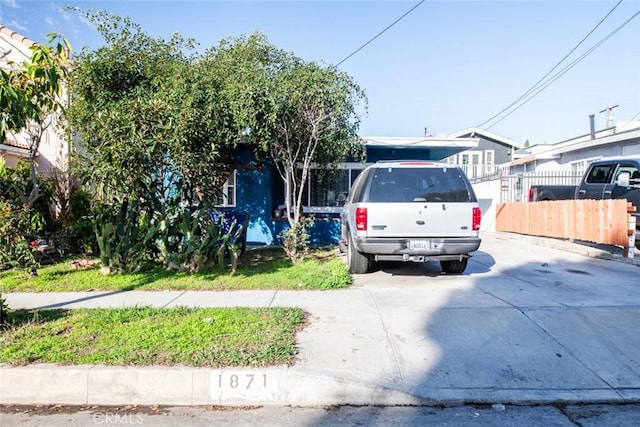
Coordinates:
x,y
259,193
325,230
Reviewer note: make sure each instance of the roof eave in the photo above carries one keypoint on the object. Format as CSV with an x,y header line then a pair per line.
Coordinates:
x,y
421,142
501,139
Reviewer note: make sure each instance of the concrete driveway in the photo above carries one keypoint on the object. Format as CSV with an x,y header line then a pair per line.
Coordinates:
x,y
525,323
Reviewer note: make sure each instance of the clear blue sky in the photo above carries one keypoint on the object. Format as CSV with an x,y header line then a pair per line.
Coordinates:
x,y
447,66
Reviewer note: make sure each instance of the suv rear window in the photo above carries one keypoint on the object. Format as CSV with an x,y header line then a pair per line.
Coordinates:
x,y
419,185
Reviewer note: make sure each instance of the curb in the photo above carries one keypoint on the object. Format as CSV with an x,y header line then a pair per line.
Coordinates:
x,y
47,384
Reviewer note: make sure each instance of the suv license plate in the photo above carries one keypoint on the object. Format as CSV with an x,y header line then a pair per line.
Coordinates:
x,y
419,244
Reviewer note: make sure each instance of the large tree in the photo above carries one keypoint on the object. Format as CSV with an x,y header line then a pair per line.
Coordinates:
x,y
122,110
228,106
316,123
155,116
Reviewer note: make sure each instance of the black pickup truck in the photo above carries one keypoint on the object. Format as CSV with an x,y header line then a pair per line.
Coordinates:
x,y
604,179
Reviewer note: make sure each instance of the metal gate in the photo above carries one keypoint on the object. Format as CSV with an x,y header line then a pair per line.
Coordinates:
x,y
515,188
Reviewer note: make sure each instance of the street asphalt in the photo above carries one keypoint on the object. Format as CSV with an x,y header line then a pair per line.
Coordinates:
x,y
530,321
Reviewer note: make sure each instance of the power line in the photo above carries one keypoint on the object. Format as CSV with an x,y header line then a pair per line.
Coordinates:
x,y
629,123
380,33
565,69
551,70
535,85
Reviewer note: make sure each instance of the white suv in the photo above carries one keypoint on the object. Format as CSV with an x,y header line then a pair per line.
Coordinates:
x,y
410,211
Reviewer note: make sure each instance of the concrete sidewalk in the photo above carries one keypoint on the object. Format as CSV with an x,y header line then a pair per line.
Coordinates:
x,y
526,323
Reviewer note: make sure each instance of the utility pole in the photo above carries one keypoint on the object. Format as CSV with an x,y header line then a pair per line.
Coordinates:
x,y
609,114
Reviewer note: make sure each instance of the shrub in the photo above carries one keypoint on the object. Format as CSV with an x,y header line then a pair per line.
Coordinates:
x,y
18,225
124,236
295,240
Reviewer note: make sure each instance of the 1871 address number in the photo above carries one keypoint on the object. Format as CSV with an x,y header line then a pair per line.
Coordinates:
x,y
240,380
239,384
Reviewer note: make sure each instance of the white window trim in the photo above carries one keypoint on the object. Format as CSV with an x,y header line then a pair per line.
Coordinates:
x,y
226,187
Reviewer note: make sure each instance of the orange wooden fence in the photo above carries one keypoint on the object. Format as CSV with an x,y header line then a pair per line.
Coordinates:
x,y
598,221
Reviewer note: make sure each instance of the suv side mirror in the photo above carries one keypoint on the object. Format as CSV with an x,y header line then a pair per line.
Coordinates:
x,y
623,179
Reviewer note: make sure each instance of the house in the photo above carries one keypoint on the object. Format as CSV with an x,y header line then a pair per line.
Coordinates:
x,y
261,194
53,149
575,154
492,150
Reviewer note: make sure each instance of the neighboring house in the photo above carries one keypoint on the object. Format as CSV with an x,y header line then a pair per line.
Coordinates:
x,y
492,151
262,194
555,164
53,150
574,155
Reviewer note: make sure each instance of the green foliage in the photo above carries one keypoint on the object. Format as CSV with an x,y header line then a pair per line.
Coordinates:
x,y
16,184
189,240
123,234
30,91
18,225
161,126
76,233
326,274
315,123
231,243
185,239
143,110
19,222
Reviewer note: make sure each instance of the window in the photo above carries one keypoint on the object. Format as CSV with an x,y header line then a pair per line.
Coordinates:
x,y
418,184
227,196
630,168
488,157
327,190
578,168
471,163
599,174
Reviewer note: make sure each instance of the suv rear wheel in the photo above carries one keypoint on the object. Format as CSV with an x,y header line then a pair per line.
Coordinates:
x,y
358,263
454,266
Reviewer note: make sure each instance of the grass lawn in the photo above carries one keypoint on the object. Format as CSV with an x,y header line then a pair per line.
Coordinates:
x,y
213,337
266,268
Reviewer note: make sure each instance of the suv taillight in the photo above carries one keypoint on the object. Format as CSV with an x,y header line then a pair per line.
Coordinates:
x,y
477,217
533,194
361,219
